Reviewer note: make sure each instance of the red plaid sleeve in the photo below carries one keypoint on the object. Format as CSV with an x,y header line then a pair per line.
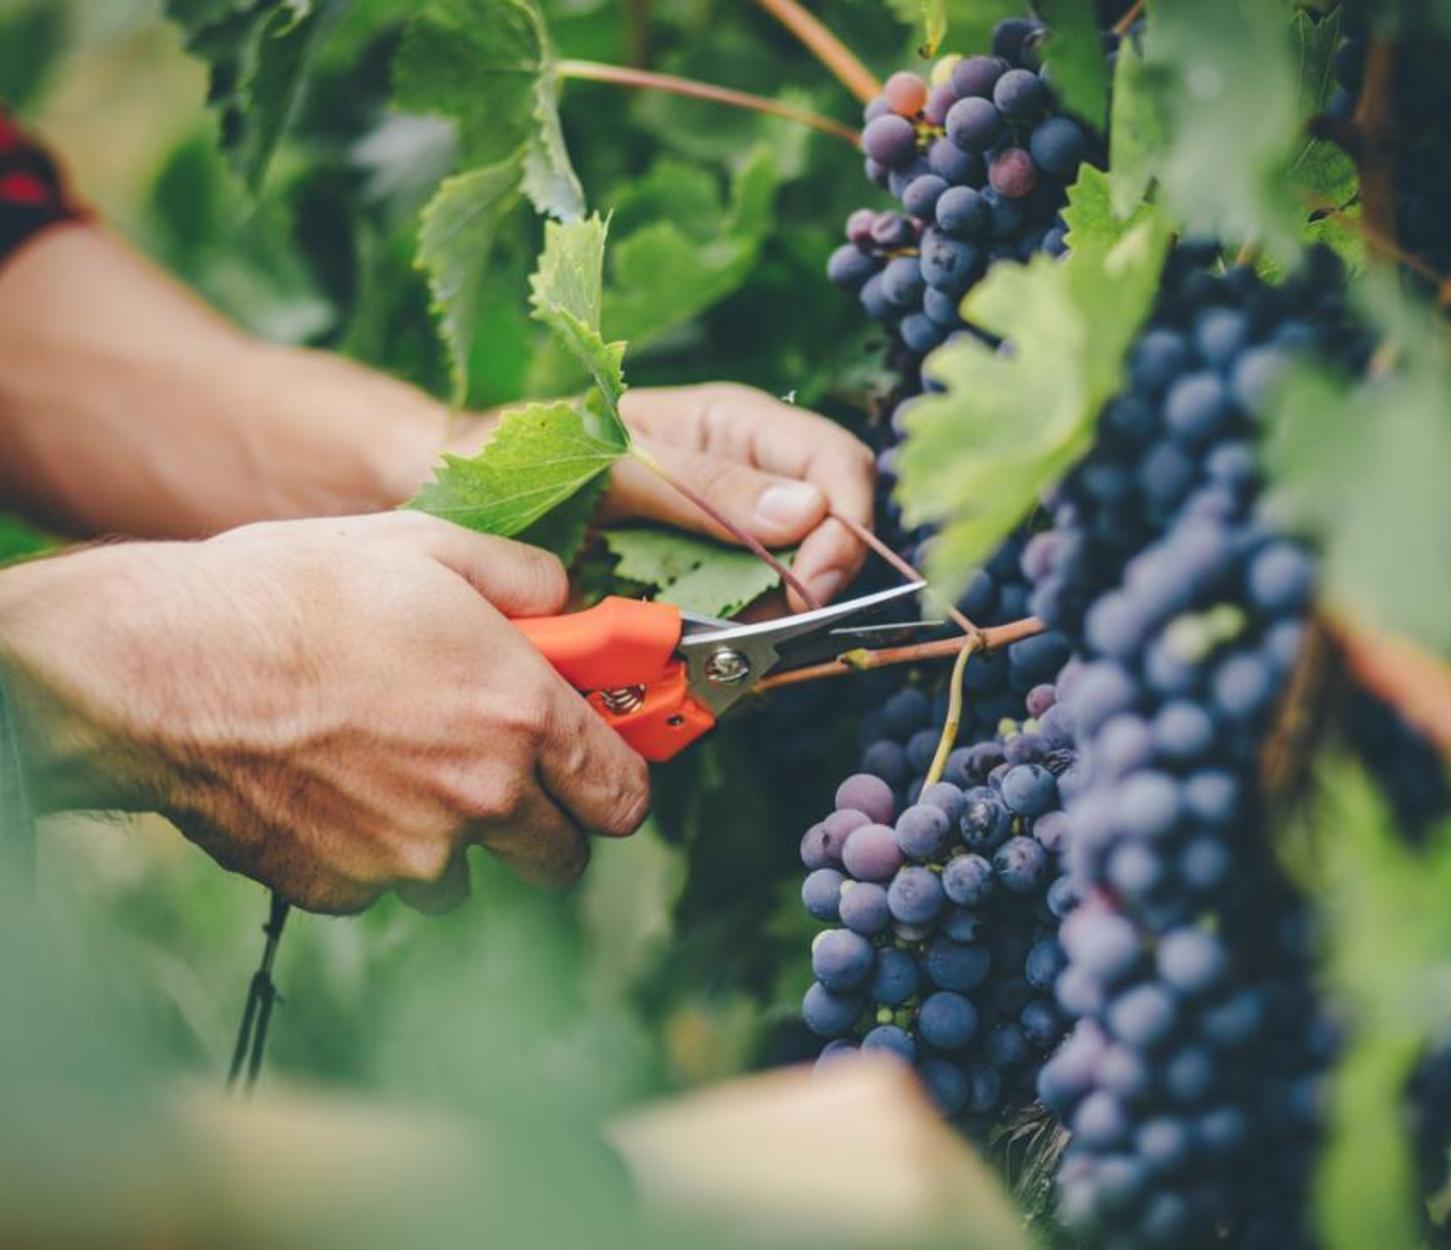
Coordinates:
x,y
32,191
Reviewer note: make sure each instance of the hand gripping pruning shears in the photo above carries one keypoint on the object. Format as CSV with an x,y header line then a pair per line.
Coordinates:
x,y
662,677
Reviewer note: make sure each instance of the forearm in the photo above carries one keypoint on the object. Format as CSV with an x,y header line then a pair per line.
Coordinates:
x,y
127,406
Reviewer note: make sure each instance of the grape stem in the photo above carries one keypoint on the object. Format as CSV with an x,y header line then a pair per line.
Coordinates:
x,y
757,548
954,710
1125,23
826,48
863,660
905,568
1372,126
648,80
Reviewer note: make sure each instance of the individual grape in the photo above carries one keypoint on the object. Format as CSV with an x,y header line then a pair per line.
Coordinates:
x,y
947,264
1148,804
1197,407
890,1039
862,907
830,1015
1013,173
968,880
1183,730
821,893
1019,94
961,212
892,230
902,282
1102,944
977,75
850,267
946,1083
923,831
1143,1016
986,821
1045,961
939,99
871,853
962,924
946,798
954,966
895,978
1020,864
1006,1048
890,140
973,124
1189,1076
1029,790
955,166
905,93
915,896
1041,1023
941,307
1101,1121
920,333
1220,334
1242,686
946,1020
841,960
1012,37
1281,579
887,761
1058,145
874,303
868,795
1192,961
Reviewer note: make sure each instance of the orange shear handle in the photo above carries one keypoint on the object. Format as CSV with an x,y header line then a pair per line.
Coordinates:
x,y
621,655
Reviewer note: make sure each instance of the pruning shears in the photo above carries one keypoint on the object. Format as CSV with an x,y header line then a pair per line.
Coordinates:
x,y
662,677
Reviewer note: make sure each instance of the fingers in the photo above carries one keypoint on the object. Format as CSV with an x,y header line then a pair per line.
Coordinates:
x,y
776,510
740,426
434,898
587,768
541,846
516,578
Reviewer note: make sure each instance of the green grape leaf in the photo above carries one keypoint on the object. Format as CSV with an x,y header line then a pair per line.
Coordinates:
x,y
1009,424
1138,130
1073,56
1235,82
696,574
488,66
539,456
455,240
566,293
32,41
1360,466
258,55
662,277
934,26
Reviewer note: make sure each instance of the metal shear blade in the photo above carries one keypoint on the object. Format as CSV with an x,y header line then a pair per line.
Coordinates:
x,y
725,661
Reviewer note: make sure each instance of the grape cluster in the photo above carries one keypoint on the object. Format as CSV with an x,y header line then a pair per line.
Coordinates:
x,y
1178,442
979,159
947,910
1191,1083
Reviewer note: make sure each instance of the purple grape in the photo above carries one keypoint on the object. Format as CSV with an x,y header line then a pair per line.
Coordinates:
x,y
946,1020
841,960
977,75
968,880
868,795
890,140
973,124
891,1040
915,896
1012,173
863,907
1018,94
830,1015
954,966
894,978
821,893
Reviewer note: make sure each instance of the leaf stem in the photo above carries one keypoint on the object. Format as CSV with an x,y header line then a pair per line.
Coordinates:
x,y
624,76
954,710
735,531
863,660
904,567
826,48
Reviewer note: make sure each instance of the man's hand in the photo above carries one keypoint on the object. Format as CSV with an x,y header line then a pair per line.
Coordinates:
x,y
775,470
331,707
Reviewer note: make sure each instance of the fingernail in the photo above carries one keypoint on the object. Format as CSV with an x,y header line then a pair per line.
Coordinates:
x,y
788,503
825,586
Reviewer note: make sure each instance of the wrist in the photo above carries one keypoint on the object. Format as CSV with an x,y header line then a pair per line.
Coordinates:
x,y
63,633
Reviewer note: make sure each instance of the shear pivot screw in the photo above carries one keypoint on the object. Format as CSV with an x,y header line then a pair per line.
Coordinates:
x,y
726,667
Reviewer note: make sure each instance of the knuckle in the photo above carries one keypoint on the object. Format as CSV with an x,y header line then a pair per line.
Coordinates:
x,y
421,859
630,803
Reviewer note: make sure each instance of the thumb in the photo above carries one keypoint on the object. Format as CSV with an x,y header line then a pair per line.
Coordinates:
x,y
775,510
516,578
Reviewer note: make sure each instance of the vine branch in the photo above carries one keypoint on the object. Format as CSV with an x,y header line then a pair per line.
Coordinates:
x,y
826,48
1126,22
863,660
648,80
